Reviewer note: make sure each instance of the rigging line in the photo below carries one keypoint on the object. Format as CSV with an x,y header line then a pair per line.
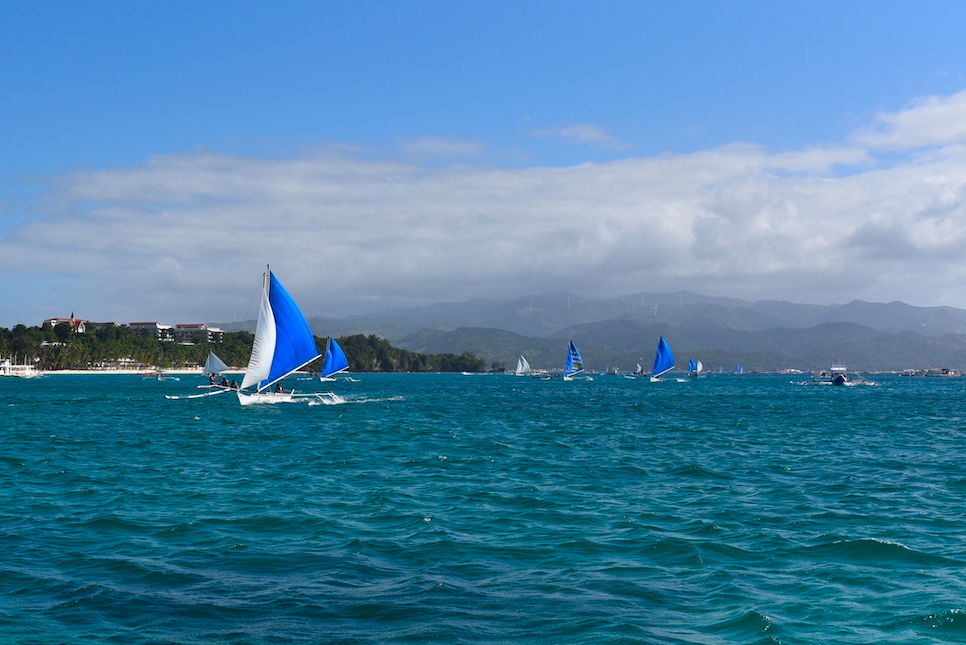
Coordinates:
x,y
250,302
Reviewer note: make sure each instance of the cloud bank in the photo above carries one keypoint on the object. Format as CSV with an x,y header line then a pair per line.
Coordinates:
x,y
185,237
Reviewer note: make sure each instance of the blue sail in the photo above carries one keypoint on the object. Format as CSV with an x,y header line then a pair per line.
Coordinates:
x,y
294,342
692,366
663,358
335,360
575,364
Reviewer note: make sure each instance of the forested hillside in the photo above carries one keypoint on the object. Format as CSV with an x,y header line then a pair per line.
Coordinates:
x,y
119,347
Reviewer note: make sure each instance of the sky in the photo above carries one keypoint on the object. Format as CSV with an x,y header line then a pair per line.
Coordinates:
x,y
156,156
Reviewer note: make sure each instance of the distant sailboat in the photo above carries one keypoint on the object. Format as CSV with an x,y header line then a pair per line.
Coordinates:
x,y
283,344
694,367
663,360
523,367
575,364
739,369
335,361
213,365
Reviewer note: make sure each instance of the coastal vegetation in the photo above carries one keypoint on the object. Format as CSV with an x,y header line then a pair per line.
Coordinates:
x,y
120,347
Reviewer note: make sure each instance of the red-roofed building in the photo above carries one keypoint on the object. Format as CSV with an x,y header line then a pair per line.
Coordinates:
x,y
77,325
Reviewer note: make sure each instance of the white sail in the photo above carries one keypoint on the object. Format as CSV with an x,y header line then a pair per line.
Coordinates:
x,y
523,367
214,365
700,367
263,350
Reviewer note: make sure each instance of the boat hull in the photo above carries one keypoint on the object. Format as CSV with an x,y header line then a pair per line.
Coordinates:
x,y
261,398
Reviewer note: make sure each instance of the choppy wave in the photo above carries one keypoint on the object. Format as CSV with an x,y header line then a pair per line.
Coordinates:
x,y
443,508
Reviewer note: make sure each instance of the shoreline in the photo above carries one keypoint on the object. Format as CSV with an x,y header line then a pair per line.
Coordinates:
x,y
196,371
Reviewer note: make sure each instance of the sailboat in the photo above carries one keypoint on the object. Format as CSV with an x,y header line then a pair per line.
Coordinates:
x,y
739,369
283,344
694,367
575,364
638,371
523,367
334,362
663,360
213,365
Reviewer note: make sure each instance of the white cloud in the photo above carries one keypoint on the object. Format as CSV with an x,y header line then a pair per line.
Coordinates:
x,y
930,121
442,148
584,133
185,237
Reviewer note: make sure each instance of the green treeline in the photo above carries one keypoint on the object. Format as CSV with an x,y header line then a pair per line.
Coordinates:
x,y
119,347
374,354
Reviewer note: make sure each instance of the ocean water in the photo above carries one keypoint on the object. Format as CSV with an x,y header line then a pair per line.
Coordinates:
x,y
484,509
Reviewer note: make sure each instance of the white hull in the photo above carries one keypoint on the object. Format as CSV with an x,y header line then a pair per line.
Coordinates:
x,y
258,398
18,371
270,398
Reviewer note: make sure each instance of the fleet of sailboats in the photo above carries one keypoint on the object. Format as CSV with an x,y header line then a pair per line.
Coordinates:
x,y
283,345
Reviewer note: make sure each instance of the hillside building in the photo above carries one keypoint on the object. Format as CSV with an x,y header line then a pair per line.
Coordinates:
x,y
156,329
186,333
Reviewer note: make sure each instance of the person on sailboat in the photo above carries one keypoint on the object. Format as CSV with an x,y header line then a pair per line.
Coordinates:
x,y
224,382
234,385
212,379
278,389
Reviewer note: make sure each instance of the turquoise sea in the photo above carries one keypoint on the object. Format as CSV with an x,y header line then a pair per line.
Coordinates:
x,y
485,509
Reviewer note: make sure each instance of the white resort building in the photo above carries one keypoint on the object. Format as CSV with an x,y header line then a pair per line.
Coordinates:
x,y
156,329
186,333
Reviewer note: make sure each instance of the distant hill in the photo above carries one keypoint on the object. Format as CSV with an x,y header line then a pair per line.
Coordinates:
x,y
545,315
623,343
619,332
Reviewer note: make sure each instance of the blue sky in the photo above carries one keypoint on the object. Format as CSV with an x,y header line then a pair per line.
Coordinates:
x,y
138,140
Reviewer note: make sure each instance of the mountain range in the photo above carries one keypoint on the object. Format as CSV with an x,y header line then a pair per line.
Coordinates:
x,y
765,335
